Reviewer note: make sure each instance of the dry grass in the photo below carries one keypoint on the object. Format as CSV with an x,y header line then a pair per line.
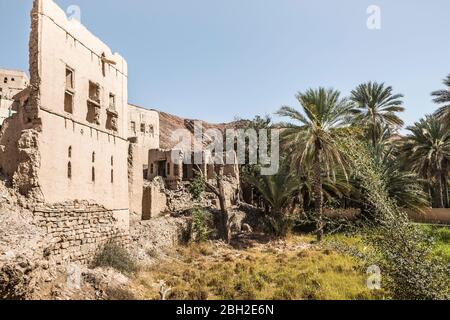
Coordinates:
x,y
292,269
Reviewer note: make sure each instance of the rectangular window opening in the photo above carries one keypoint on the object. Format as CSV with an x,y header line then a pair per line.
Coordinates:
x,y
68,102
69,79
94,92
112,102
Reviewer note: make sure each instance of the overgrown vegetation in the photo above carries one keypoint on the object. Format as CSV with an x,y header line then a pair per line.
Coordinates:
x,y
297,272
115,256
441,237
352,148
402,250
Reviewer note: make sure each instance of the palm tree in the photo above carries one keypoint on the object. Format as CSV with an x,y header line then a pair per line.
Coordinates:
x,y
278,193
443,97
334,188
404,186
375,106
277,190
427,151
310,139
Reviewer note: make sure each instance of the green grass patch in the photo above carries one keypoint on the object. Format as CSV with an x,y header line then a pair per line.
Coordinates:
x,y
258,274
442,237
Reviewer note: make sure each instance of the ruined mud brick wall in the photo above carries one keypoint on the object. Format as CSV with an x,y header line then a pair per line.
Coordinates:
x,y
78,105
154,201
77,231
135,180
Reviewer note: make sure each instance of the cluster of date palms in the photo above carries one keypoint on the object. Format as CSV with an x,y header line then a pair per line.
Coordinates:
x,y
315,172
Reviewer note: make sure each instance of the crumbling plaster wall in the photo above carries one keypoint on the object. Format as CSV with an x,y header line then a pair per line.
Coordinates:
x,y
19,154
97,154
135,180
154,201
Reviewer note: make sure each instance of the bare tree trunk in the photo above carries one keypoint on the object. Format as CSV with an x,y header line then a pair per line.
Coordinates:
x,y
226,219
318,195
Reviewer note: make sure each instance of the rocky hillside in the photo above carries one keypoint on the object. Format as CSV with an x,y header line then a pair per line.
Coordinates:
x,y
169,123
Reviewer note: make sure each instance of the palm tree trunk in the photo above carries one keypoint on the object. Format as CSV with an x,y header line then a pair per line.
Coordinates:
x,y
374,133
318,195
440,198
445,189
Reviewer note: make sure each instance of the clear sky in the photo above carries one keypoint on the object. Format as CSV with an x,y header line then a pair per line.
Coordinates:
x,y
217,59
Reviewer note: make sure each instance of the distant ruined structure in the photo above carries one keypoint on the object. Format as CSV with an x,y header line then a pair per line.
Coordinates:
x,y
71,142
11,83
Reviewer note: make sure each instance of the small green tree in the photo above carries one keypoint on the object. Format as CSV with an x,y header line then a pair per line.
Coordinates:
x,y
201,219
197,187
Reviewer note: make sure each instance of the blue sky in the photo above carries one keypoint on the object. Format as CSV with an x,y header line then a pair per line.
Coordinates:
x,y
217,59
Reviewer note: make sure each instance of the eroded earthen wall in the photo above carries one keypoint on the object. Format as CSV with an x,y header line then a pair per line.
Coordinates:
x,y
83,153
135,180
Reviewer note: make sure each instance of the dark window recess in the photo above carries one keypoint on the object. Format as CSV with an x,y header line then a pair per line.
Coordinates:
x,y
112,102
94,92
69,79
68,102
69,170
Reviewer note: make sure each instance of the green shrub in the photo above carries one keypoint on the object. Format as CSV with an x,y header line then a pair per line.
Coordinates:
x,y
115,256
409,267
197,187
201,220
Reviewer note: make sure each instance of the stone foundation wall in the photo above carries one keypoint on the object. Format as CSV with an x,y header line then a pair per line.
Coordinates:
x,y
77,231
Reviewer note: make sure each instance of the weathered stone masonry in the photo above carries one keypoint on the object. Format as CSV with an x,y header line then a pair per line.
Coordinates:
x,y
77,231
